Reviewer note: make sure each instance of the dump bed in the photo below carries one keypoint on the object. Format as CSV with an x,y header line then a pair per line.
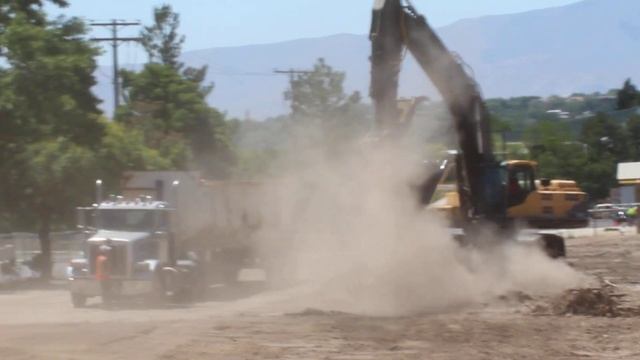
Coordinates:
x,y
221,213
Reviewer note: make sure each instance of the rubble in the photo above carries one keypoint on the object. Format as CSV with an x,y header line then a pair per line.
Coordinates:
x,y
588,302
603,301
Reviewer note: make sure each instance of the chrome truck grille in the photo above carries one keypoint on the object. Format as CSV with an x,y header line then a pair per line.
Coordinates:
x,y
117,258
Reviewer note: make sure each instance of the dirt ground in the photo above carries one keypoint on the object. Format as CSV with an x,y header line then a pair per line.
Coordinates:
x,y
251,322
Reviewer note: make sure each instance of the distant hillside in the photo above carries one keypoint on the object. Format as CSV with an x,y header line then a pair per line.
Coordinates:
x,y
589,46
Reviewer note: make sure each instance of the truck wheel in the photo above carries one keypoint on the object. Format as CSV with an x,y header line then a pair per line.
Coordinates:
x,y
554,246
165,285
78,300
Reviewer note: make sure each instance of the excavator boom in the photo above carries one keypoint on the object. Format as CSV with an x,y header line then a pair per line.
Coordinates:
x,y
397,27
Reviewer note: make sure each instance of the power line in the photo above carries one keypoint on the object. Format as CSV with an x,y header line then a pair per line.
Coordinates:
x,y
115,40
292,72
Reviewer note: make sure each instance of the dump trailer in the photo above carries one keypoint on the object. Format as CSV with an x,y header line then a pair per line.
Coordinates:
x,y
171,234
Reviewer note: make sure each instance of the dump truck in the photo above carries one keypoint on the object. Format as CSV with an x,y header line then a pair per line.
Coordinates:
x,y
172,234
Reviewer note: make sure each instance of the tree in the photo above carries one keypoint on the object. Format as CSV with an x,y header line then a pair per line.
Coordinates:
x,y
168,105
29,9
608,145
556,151
50,120
605,136
161,40
319,93
125,149
500,129
628,96
633,131
322,114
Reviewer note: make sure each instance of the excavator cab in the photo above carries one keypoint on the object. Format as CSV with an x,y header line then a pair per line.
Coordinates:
x,y
519,181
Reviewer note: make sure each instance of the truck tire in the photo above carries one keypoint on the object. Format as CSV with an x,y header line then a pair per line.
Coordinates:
x,y
166,284
554,246
78,300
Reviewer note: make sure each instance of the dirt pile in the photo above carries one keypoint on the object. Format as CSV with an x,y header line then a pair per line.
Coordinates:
x,y
589,302
604,301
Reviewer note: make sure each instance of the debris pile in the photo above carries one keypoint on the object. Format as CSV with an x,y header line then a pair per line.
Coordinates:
x,y
588,302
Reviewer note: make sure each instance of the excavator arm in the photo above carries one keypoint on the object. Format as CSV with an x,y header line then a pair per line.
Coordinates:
x,y
397,27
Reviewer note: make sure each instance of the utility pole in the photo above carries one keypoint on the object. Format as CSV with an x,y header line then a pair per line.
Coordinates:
x,y
115,40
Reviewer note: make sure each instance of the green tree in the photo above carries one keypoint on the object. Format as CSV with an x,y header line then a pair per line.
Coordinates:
x,y
319,93
29,9
322,114
605,136
50,121
501,129
607,142
161,40
633,131
556,151
168,105
123,149
628,96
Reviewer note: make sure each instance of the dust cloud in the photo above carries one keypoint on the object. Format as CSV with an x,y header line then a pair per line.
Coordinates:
x,y
360,242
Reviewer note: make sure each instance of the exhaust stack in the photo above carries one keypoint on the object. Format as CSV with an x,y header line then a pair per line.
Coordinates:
x,y
98,191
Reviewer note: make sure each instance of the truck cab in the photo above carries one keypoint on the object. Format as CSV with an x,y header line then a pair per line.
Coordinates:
x,y
138,233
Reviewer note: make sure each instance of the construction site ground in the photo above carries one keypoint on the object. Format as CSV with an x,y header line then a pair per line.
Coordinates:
x,y
251,322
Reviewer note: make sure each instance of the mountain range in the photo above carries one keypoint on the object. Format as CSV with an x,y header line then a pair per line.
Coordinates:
x,y
588,46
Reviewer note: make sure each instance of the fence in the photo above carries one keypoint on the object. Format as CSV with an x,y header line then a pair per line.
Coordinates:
x,y
613,217
64,247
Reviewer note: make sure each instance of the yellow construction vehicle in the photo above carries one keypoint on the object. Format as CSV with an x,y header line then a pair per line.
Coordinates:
x,y
487,191
538,203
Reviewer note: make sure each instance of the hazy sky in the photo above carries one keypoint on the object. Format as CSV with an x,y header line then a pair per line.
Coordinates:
x,y
211,23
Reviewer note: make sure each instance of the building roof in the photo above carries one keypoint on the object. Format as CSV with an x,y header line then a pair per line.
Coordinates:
x,y
629,172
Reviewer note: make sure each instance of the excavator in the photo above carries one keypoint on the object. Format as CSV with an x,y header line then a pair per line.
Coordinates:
x,y
488,192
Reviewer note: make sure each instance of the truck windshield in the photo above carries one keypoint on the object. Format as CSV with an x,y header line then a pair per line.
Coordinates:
x,y
126,220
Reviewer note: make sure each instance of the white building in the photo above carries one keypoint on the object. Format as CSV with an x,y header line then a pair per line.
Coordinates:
x,y
629,180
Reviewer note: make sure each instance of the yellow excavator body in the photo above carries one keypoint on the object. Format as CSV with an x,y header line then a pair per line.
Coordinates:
x,y
546,204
